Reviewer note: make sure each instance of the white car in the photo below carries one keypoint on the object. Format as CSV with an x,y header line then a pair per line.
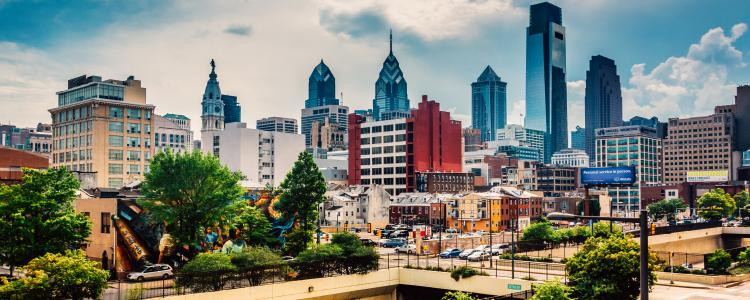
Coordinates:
x,y
468,252
478,256
152,272
497,249
410,248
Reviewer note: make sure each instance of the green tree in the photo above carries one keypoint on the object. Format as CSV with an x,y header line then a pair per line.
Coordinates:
x,y
718,262
58,276
540,231
744,257
742,199
668,208
457,295
302,192
187,191
594,205
715,205
37,217
551,290
602,229
205,272
608,269
256,228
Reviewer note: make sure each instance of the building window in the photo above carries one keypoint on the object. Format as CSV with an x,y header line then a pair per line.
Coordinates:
x,y
106,222
134,169
115,112
115,169
134,155
134,127
134,141
115,182
115,140
115,154
115,126
134,113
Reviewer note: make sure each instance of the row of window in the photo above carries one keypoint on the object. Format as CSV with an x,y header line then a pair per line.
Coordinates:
x,y
117,169
385,181
73,142
383,139
383,160
383,128
132,113
74,128
83,154
72,114
117,141
381,171
384,149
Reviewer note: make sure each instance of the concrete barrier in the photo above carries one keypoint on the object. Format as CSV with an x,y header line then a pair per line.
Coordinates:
x,y
703,279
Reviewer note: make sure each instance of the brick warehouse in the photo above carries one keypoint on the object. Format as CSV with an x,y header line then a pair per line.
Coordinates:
x,y
392,152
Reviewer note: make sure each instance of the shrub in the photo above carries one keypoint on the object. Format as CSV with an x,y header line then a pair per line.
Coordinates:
x,y
457,295
464,272
744,257
206,272
318,261
258,264
529,278
297,241
58,276
698,272
718,262
551,290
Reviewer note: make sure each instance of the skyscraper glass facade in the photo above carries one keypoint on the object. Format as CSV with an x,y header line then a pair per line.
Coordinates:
x,y
488,104
321,87
603,98
232,112
546,96
391,100
578,138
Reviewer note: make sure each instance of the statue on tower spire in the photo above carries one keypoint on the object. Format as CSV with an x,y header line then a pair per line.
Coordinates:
x,y
213,65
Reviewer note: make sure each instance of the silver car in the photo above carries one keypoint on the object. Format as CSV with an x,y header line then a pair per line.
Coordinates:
x,y
152,272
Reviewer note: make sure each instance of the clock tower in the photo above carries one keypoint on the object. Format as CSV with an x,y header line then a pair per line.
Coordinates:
x,y
212,113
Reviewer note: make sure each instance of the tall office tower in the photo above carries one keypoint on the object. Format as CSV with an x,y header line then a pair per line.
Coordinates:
x,y
488,104
623,146
321,88
391,100
603,98
578,138
277,124
324,121
213,108
703,143
546,95
103,127
742,115
232,111
653,122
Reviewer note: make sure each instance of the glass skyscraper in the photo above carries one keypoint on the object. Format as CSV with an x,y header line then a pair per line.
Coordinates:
x,y
546,95
603,99
578,138
488,104
321,87
391,100
232,112
324,121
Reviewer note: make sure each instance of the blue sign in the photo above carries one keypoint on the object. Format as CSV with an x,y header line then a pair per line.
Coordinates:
x,y
611,175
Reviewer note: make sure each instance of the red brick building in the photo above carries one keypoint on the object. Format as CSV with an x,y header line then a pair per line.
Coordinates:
x,y
391,152
12,160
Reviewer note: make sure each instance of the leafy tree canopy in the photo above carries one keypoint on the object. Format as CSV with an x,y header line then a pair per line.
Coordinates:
x,y
718,262
541,231
742,199
58,276
608,268
668,208
715,205
256,228
189,190
38,216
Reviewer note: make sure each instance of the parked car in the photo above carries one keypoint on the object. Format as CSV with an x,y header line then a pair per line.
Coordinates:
x,y
368,242
152,272
478,256
399,234
450,253
410,248
391,243
498,249
466,253
287,258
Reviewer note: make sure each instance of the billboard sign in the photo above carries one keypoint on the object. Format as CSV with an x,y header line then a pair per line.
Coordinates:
x,y
610,175
708,176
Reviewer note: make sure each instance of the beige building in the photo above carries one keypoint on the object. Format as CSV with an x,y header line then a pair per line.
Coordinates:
x,y
699,144
99,209
103,127
172,132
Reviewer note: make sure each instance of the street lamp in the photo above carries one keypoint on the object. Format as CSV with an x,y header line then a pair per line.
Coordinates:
x,y
642,220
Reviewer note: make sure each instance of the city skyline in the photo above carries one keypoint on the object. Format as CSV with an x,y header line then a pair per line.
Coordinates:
x,y
352,39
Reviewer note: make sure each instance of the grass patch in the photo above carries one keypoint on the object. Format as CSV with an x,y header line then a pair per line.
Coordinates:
x,y
740,269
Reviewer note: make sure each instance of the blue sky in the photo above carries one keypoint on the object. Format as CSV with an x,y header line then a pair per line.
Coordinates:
x,y
674,58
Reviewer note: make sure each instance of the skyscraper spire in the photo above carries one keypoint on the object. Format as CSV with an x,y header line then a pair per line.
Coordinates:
x,y
391,41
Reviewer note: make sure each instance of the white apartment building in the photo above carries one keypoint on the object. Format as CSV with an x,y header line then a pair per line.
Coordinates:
x,y
172,132
264,157
527,137
383,150
571,158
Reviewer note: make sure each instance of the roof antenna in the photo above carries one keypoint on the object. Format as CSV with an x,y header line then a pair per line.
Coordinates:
x,y
391,41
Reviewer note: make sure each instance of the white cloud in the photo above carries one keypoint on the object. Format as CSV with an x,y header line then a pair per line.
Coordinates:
x,y
687,85
576,103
